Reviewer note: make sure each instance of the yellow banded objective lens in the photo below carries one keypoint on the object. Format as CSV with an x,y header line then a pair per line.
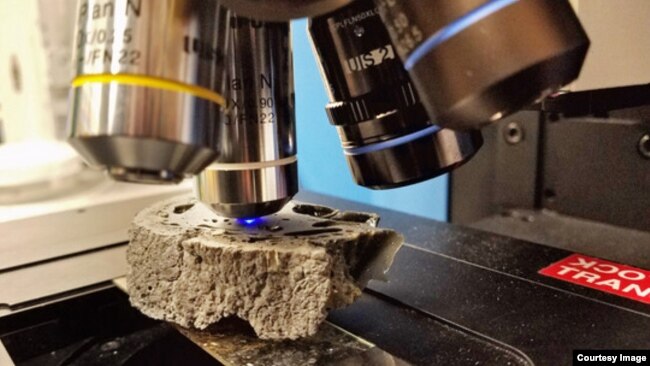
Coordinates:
x,y
150,82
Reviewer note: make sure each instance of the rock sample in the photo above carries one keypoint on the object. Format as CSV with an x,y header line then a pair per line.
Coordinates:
x,y
281,273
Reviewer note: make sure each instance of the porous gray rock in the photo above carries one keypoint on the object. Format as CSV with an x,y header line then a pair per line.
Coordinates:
x,y
282,274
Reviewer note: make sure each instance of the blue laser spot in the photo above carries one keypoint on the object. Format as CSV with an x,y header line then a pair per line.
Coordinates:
x,y
249,222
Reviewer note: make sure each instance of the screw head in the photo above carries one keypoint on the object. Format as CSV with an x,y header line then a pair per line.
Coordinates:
x,y
644,146
513,133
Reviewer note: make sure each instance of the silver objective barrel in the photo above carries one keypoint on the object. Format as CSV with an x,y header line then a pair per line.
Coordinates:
x,y
148,88
256,172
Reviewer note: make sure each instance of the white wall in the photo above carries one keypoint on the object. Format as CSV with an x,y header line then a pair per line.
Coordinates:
x,y
620,43
35,41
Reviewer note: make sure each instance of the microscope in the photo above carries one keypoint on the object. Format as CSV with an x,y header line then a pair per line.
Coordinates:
x,y
545,254
168,90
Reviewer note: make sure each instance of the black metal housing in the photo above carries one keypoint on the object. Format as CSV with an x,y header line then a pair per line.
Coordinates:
x,y
374,105
572,171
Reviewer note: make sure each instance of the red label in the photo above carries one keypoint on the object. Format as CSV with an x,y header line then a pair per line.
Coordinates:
x,y
618,279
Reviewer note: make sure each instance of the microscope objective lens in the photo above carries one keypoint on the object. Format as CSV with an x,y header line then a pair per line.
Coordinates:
x,y
387,137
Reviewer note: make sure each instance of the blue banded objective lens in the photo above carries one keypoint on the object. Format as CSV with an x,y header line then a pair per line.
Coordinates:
x,y
386,135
